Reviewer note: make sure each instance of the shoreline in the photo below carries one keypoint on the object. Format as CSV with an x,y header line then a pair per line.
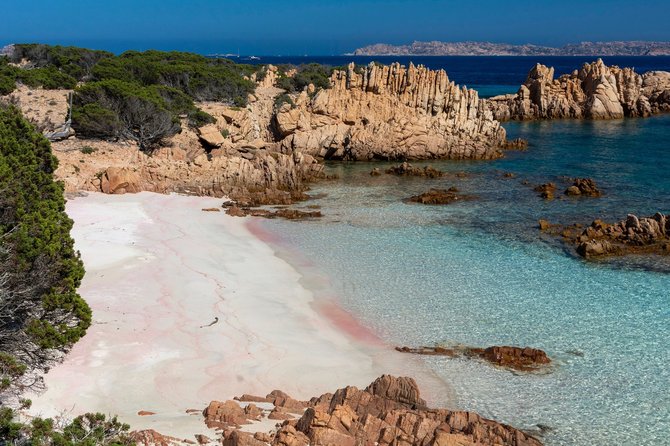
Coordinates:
x,y
159,270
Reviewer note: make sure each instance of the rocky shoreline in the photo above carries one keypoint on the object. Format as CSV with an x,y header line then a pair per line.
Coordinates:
x,y
390,411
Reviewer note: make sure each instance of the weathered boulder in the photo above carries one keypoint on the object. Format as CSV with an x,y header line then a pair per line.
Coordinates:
x,y
220,415
211,135
119,180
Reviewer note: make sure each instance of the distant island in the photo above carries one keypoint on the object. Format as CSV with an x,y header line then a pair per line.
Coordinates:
x,y
436,48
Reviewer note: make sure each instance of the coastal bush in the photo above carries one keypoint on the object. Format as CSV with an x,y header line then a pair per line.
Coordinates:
x,y
199,77
7,77
72,61
313,73
41,313
119,109
49,78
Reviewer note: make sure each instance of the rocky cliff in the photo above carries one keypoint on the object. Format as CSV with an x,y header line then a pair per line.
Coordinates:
x,y
595,91
390,112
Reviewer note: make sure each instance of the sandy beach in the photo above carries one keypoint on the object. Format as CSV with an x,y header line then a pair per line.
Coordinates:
x,y
159,271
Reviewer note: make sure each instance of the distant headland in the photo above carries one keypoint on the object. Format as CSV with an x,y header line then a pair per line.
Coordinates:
x,y
436,48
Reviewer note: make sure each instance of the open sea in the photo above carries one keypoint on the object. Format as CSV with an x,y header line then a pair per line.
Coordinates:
x,y
480,273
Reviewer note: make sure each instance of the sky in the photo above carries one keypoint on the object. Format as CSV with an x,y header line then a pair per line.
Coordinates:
x,y
297,27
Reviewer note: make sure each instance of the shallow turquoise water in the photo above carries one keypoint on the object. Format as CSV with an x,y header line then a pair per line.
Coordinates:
x,y
480,273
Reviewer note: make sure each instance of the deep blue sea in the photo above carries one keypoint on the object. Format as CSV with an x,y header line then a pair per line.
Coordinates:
x,y
480,273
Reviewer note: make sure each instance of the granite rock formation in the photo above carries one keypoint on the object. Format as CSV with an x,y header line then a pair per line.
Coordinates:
x,y
388,412
390,112
595,91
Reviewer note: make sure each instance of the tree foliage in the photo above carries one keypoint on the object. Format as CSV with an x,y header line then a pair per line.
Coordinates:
x,y
85,430
40,310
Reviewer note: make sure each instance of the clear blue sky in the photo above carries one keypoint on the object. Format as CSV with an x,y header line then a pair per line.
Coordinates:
x,y
272,27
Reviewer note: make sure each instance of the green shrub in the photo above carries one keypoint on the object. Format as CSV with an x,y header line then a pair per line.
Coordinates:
x,y
200,78
49,77
225,133
198,118
87,150
282,99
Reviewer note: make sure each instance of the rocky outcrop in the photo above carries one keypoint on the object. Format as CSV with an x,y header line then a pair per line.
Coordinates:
x,y
583,187
390,112
646,235
634,235
595,91
524,359
388,412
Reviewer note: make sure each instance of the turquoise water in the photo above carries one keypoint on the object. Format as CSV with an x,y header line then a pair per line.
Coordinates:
x,y
480,273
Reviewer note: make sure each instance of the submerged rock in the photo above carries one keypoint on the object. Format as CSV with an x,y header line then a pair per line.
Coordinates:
x,y
406,169
288,214
546,190
438,196
523,359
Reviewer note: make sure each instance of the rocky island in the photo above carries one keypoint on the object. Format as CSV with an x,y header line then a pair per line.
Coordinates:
x,y
436,48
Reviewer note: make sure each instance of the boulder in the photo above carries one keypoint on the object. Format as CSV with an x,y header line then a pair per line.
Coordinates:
x,y
220,415
119,180
211,135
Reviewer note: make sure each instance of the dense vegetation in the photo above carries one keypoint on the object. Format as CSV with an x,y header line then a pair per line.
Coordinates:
x,y
47,66
41,313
